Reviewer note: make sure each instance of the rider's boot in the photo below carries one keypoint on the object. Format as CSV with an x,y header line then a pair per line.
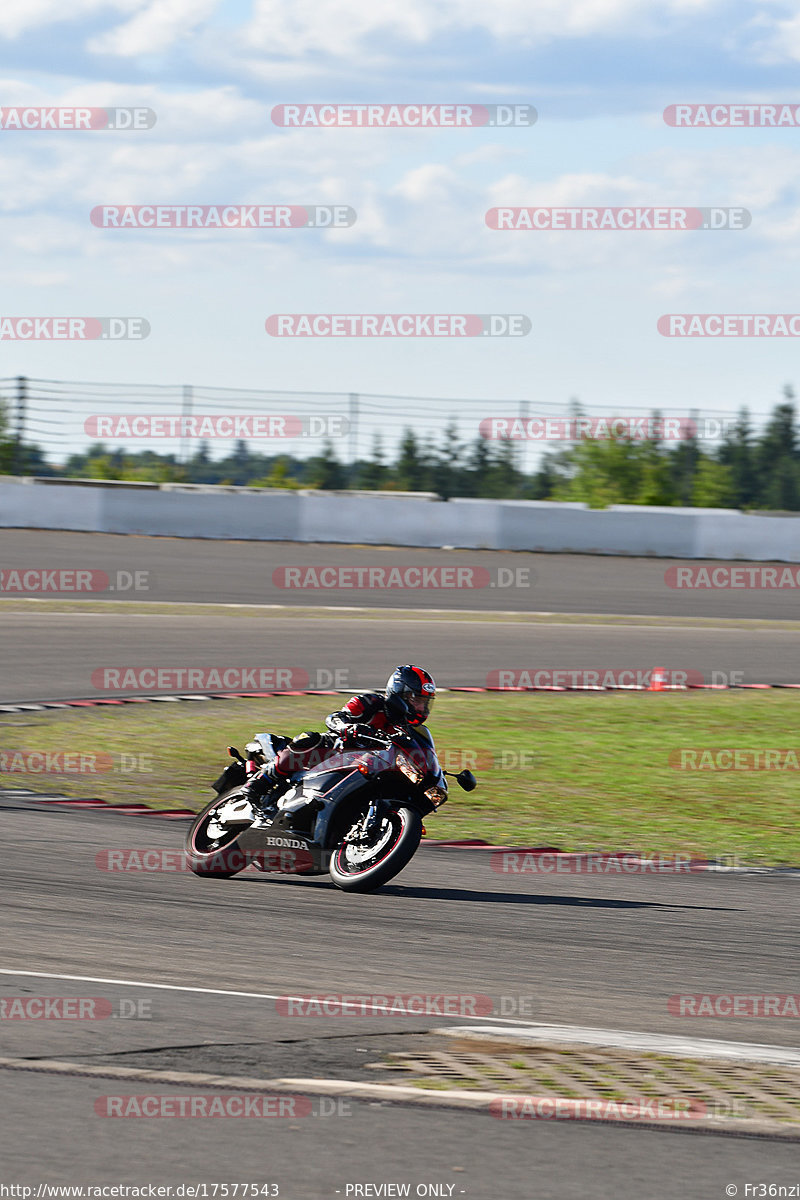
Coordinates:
x,y
265,789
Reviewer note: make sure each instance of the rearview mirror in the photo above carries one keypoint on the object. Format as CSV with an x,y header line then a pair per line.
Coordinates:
x,y
466,780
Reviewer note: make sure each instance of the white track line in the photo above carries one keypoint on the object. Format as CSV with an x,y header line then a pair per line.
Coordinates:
x,y
539,1033
380,1009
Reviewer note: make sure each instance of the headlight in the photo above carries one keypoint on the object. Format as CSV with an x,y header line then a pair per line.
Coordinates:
x,y
436,795
404,764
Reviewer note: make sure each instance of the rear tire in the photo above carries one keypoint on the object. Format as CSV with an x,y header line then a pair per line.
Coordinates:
x,y
211,856
352,872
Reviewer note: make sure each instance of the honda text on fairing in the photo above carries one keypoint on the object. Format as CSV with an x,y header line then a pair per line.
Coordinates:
x,y
356,813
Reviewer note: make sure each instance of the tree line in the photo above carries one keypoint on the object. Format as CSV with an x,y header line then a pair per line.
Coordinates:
x,y
745,470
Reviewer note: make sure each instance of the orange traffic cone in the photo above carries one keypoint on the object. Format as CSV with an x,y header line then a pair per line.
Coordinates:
x,y
658,680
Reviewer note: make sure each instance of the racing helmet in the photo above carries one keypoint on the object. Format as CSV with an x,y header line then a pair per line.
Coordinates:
x,y
416,687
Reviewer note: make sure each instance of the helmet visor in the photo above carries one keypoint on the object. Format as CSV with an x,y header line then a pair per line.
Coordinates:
x,y
420,708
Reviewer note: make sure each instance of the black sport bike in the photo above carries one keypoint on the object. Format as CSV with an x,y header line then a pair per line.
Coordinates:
x,y
356,813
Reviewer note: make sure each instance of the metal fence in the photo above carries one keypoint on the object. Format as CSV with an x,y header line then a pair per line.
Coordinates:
x,y
66,417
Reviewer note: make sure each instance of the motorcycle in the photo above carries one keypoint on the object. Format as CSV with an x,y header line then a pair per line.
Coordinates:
x,y
355,814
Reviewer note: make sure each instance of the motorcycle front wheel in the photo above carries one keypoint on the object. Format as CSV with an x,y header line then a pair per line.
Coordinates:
x,y
357,867
211,849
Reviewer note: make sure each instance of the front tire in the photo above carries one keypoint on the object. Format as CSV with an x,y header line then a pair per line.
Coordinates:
x,y
213,852
357,869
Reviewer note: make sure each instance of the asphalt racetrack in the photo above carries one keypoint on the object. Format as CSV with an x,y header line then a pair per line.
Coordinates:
x,y
599,951
604,951
717,633
51,655
219,572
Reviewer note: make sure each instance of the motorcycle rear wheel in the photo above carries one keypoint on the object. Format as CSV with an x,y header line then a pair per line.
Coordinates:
x,y
355,868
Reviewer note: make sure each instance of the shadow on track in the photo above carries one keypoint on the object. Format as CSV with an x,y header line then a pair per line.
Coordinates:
x,y
475,897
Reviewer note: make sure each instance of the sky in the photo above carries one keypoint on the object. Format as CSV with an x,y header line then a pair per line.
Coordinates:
x,y
599,74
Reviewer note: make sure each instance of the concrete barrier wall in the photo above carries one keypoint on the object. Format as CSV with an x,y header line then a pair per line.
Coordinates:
x,y
26,506
638,531
242,515
386,519
748,537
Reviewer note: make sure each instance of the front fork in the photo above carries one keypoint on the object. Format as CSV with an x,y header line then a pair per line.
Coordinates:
x,y
365,828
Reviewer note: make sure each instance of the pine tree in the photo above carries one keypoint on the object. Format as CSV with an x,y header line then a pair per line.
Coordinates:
x,y
777,458
713,485
6,442
684,461
411,473
373,473
448,468
737,454
479,465
325,471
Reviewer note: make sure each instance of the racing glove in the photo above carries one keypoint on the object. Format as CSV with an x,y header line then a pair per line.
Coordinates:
x,y
353,732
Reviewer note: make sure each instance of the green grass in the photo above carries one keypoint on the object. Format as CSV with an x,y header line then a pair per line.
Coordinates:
x,y
349,612
600,778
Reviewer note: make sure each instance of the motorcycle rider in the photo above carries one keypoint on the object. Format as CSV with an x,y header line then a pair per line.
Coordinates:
x,y
407,700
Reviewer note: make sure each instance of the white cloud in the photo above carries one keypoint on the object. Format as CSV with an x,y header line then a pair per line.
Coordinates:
x,y
155,28
781,41
428,184
339,27
420,243
336,27
34,279
18,16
